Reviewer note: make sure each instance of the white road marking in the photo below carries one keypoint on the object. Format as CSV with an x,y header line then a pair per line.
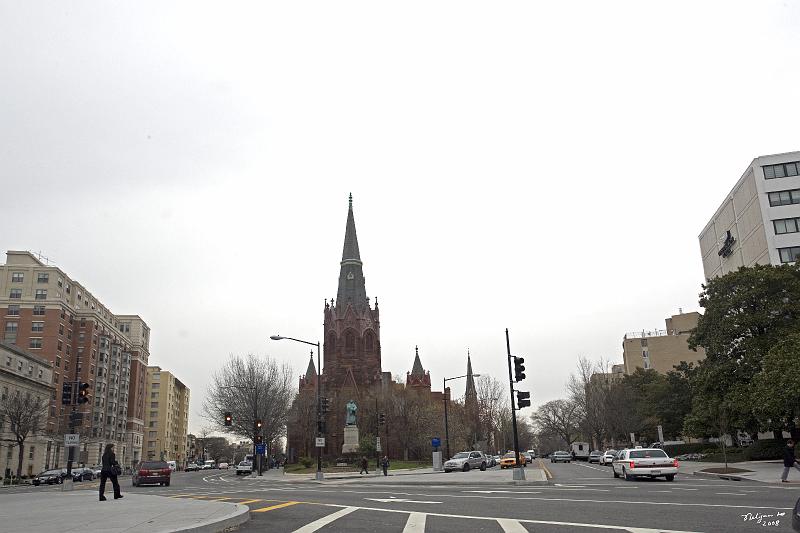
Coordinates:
x,y
398,500
415,523
730,494
511,526
505,491
325,520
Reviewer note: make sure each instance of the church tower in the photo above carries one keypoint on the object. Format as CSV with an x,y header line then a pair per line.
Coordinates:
x,y
352,349
418,378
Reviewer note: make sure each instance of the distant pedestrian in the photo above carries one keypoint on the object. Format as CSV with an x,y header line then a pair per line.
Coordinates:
x,y
110,470
385,465
364,465
789,460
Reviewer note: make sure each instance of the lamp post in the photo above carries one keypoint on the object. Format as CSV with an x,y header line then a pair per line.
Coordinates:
x,y
446,426
320,477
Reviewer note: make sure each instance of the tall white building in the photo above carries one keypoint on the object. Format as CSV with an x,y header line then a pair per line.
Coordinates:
x,y
759,220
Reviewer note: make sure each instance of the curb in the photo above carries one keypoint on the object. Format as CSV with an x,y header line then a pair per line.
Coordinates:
x,y
728,477
240,516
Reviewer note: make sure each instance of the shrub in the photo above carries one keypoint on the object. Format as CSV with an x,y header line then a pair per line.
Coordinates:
x,y
765,449
306,462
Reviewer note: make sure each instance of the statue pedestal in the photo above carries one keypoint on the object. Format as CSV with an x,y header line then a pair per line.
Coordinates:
x,y
350,439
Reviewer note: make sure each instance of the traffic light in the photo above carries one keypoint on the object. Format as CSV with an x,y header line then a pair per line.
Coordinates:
x,y
381,419
66,393
228,419
324,405
83,393
519,369
523,399
259,424
259,439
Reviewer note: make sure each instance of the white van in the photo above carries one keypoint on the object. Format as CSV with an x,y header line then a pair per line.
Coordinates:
x,y
580,450
173,466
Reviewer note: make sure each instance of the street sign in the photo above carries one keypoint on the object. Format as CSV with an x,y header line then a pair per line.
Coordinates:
x,y
633,438
378,445
660,434
72,439
261,449
435,442
320,442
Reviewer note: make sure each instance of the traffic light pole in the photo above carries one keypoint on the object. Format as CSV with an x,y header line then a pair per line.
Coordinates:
x,y
518,472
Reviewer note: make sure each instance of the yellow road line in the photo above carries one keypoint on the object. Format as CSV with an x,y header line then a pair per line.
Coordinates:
x,y
220,499
546,471
249,501
180,495
270,508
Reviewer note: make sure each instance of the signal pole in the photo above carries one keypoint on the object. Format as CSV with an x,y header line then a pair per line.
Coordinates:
x,y
519,473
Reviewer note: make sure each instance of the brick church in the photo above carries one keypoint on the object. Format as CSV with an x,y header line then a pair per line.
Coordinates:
x,y
351,361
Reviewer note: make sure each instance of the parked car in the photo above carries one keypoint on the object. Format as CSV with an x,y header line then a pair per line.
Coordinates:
x,y
796,516
151,473
595,456
531,453
96,470
560,457
644,462
50,477
245,467
223,466
508,460
208,465
466,461
173,466
192,467
82,474
608,457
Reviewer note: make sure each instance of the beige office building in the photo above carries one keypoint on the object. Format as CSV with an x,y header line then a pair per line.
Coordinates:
x,y
759,220
30,376
662,349
166,417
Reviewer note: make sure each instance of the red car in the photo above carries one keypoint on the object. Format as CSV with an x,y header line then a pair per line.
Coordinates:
x,y
151,473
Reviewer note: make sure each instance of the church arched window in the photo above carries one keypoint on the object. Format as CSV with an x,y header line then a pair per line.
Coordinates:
x,y
349,341
369,342
332,341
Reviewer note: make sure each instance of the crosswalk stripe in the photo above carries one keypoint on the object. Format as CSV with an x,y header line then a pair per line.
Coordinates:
x,y
325,520
415,523
272,507
511,526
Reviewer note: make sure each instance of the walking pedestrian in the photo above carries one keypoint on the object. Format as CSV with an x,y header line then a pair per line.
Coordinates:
x,y
364,465
789,460
110,470
385,465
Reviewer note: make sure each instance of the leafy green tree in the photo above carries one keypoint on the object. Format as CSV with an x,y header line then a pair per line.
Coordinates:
x,y
776,389
747,312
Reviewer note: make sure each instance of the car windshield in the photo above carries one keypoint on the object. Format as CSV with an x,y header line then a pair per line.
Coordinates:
x,y
244,463
50,472
508,456
461,455
646,454
154,465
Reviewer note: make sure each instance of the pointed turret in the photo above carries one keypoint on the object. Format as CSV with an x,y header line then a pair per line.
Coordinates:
x,y
311,372
417,369
418,378
470,391
352,289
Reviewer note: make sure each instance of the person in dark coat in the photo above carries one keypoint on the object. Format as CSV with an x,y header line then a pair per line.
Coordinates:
x,y
364,465
109,471
789,460
385,465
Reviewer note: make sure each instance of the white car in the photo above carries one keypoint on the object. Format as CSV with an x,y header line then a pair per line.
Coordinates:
x,y
466,461
245,467
644,462
223,466
608,457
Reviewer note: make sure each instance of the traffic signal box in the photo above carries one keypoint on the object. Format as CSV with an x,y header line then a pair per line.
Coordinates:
x,y
228,419
519,369
83,393
523,399
66,393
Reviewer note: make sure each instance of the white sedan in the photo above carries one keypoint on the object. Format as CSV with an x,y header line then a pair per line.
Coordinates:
x,y
644,462
245,467
608,457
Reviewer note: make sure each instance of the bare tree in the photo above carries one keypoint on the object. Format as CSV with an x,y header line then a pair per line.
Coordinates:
x,y
561,417
251,388
26,416
589,388
491,401
412,417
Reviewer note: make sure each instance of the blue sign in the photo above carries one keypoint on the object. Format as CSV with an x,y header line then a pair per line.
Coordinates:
x,y
435,442
261,449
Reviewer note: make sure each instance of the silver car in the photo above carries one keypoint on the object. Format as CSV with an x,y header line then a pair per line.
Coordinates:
x,y
466,461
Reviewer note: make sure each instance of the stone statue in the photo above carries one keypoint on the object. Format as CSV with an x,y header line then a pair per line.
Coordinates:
x,y
351,413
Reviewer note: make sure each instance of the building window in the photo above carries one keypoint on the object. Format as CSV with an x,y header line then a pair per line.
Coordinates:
x,y
13,310
41,294
60,345
35,343
781,170
153,405
17,277
41,373
11,327
37,327
789,255
786,225
42,277
38,310
784,197
15,293
349,341
58,361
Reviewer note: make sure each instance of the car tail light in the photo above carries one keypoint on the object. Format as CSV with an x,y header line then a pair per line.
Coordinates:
x,y
165,471
633,465
143,472
675,463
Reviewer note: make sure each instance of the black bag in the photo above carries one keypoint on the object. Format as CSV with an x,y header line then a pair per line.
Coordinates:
x,y
116,470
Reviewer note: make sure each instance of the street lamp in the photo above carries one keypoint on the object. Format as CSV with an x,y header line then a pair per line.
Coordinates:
x,y
320,477
444,393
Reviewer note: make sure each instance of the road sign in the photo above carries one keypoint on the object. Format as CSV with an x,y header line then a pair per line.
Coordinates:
x,y
378,445
660,434
633,438
72,439
261,449
320,442
435,442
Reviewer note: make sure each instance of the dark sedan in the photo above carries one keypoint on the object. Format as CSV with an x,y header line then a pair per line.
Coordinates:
x,y
82,474
50,477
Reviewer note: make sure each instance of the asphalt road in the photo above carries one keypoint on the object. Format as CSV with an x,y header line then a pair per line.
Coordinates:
x,y
581,498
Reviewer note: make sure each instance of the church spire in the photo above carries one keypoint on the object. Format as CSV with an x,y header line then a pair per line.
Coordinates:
x,y
311,372
352,289
470,392
417,369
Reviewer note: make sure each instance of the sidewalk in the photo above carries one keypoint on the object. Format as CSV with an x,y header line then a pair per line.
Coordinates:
x,y
55,512
427,476
760,471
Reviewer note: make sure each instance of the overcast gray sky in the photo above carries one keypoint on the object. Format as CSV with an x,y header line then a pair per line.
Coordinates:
x,y
544,167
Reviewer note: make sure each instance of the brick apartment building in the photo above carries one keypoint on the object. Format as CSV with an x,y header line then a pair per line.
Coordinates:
x,y
47,313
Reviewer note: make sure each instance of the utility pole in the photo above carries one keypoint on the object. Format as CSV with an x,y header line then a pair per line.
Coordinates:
x,y
519,474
